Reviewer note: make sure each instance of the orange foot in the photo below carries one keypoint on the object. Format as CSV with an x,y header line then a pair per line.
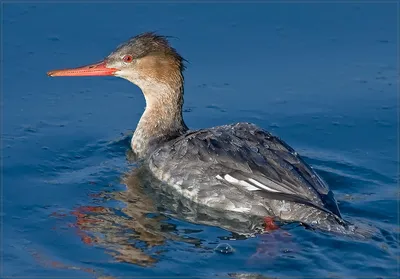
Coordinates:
x,y
269,224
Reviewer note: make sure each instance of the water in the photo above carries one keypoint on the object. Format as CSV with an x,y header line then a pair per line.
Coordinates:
x,y
324,77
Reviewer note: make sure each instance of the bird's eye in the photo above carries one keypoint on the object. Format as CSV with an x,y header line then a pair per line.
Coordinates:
x,y
127,58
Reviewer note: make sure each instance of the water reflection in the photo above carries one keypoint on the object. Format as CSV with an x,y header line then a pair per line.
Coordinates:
x,y
133,233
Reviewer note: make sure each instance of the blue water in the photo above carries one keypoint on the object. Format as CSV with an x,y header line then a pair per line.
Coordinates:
x,y
324,77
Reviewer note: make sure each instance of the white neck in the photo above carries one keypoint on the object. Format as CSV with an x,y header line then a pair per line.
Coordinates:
x,y
162,118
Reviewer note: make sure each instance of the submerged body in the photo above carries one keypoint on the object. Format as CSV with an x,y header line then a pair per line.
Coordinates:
x,y
239,168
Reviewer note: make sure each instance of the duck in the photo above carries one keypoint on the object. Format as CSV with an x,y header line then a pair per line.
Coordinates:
x,y
237,167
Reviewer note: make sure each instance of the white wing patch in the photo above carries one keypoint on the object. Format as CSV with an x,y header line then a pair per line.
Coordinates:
x,y
265,187
243,183
250,185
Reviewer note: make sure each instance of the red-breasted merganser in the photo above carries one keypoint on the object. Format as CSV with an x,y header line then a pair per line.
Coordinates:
x,y
237,167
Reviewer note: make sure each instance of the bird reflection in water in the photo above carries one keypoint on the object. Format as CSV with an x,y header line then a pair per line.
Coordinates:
x,y
135,233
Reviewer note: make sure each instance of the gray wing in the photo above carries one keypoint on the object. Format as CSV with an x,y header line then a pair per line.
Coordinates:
x,y
245,156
